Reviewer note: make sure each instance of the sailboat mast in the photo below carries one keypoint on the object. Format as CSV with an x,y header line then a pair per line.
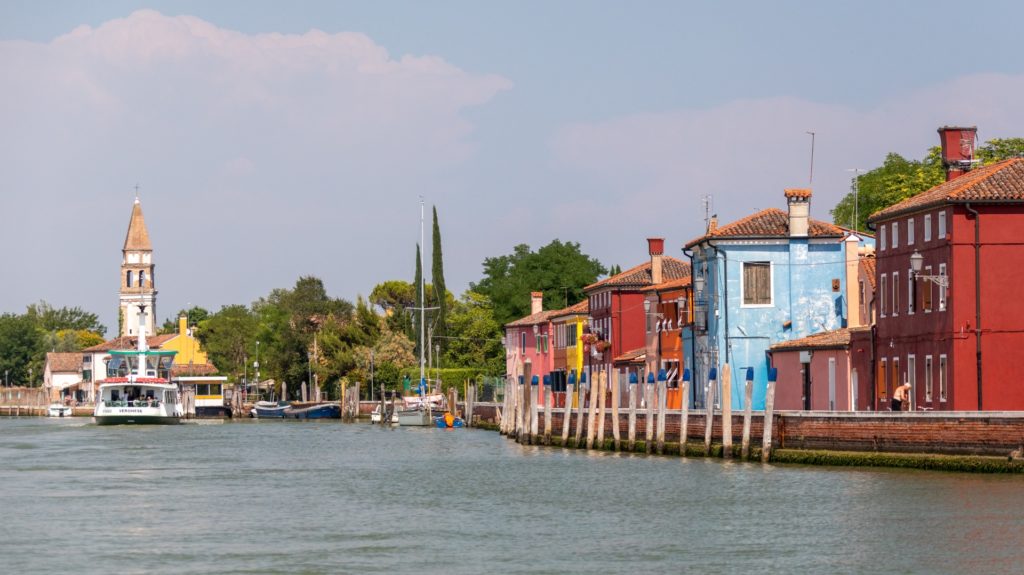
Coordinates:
x,y
423,301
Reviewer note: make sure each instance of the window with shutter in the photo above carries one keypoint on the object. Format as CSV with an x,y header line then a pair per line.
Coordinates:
x,y
757,283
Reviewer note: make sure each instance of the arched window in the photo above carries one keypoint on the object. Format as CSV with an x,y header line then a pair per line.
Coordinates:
x,y
142,279
128,281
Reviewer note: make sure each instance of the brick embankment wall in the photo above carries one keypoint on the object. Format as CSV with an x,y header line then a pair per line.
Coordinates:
x,y
968,433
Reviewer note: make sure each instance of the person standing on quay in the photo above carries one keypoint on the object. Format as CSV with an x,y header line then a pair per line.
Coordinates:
x,y
899,396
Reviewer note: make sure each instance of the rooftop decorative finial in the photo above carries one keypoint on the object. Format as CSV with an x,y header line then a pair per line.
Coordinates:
x,y
136,193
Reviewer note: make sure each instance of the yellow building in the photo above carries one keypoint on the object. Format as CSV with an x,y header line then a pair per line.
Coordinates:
x,y
190,354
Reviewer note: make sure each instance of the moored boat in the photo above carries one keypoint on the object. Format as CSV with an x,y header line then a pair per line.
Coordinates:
x,y
269,409
59,410
319,411
141,391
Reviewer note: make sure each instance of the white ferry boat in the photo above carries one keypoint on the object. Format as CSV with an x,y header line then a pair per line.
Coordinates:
x,y
141,391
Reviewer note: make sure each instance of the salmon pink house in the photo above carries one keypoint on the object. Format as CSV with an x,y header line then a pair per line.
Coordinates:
x,y
529,339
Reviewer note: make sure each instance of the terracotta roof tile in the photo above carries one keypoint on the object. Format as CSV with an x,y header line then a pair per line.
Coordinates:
x,y
580,308
64,362
635,355
768,223
131,342
669,285
194,369
999,182
640,276
867,263
835,339
137,237
537,318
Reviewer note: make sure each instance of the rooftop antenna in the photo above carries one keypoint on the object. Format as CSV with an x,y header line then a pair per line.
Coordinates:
x,y
811,179
706,202
855,185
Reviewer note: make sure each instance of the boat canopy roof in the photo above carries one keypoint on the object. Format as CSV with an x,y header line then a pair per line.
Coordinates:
x,y
133,352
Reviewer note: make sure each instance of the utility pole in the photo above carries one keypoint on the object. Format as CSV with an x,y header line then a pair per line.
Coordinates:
x,y
856,195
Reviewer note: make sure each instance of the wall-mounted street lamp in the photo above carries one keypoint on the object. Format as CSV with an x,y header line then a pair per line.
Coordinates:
x,y
916,261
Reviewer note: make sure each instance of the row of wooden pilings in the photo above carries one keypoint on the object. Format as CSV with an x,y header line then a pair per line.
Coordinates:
x,y
521,413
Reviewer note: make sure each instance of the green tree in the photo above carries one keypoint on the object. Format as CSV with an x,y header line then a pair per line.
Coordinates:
x,y
51,319
474,335
195,316
560,270
440,316
898,179
894,181
22,349
397,298
999,149
229,338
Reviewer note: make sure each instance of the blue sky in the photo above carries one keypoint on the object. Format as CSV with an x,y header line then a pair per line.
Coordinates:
x,y
266,150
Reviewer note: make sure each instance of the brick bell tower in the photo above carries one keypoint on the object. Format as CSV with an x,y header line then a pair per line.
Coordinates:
x,y
137,285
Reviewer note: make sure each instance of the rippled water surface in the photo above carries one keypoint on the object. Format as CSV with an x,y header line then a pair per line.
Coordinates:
x,y
329,497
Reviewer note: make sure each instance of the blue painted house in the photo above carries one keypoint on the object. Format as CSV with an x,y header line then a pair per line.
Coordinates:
x,y
770,277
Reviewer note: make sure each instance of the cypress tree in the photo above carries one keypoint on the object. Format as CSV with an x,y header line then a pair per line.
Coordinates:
x,y
437,278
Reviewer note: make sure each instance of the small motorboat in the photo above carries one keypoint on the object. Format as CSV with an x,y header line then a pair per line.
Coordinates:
x,y
449,420
318,411
59,410
269,409
376,416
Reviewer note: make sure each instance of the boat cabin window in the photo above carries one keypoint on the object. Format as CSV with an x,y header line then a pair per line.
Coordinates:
x,y
115,395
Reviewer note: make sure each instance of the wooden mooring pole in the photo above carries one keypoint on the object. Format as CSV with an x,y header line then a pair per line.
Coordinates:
x,y
567,412
581,400
662,401
748,398
649,414
727,411
769,409
709,409
548,398
631,430
615,410
592,412
684,394
602,391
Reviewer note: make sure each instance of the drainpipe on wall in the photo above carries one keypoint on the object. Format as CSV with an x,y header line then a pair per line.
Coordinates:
x,y
693,331
725,295
977,292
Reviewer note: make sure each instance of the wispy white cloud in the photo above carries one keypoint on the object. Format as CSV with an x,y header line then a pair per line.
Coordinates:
x,y
301,140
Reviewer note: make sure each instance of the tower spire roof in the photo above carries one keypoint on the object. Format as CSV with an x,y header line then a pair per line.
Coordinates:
x,y
137,237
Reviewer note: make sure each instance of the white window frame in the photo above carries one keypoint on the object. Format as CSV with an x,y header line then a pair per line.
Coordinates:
x,y
895,294
910,231
911,303
942,225
771,285
928,379
883,308
881,238
942,290
927,227
930,286
912,379
943,378
895,235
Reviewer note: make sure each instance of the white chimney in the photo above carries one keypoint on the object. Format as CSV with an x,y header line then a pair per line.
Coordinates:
x,y
799,200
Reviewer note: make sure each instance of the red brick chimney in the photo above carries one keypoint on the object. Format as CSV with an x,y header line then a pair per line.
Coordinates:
x,y
957,149
656,247
536,302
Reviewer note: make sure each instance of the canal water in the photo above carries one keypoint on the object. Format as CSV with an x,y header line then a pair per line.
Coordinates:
x,y
329,497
